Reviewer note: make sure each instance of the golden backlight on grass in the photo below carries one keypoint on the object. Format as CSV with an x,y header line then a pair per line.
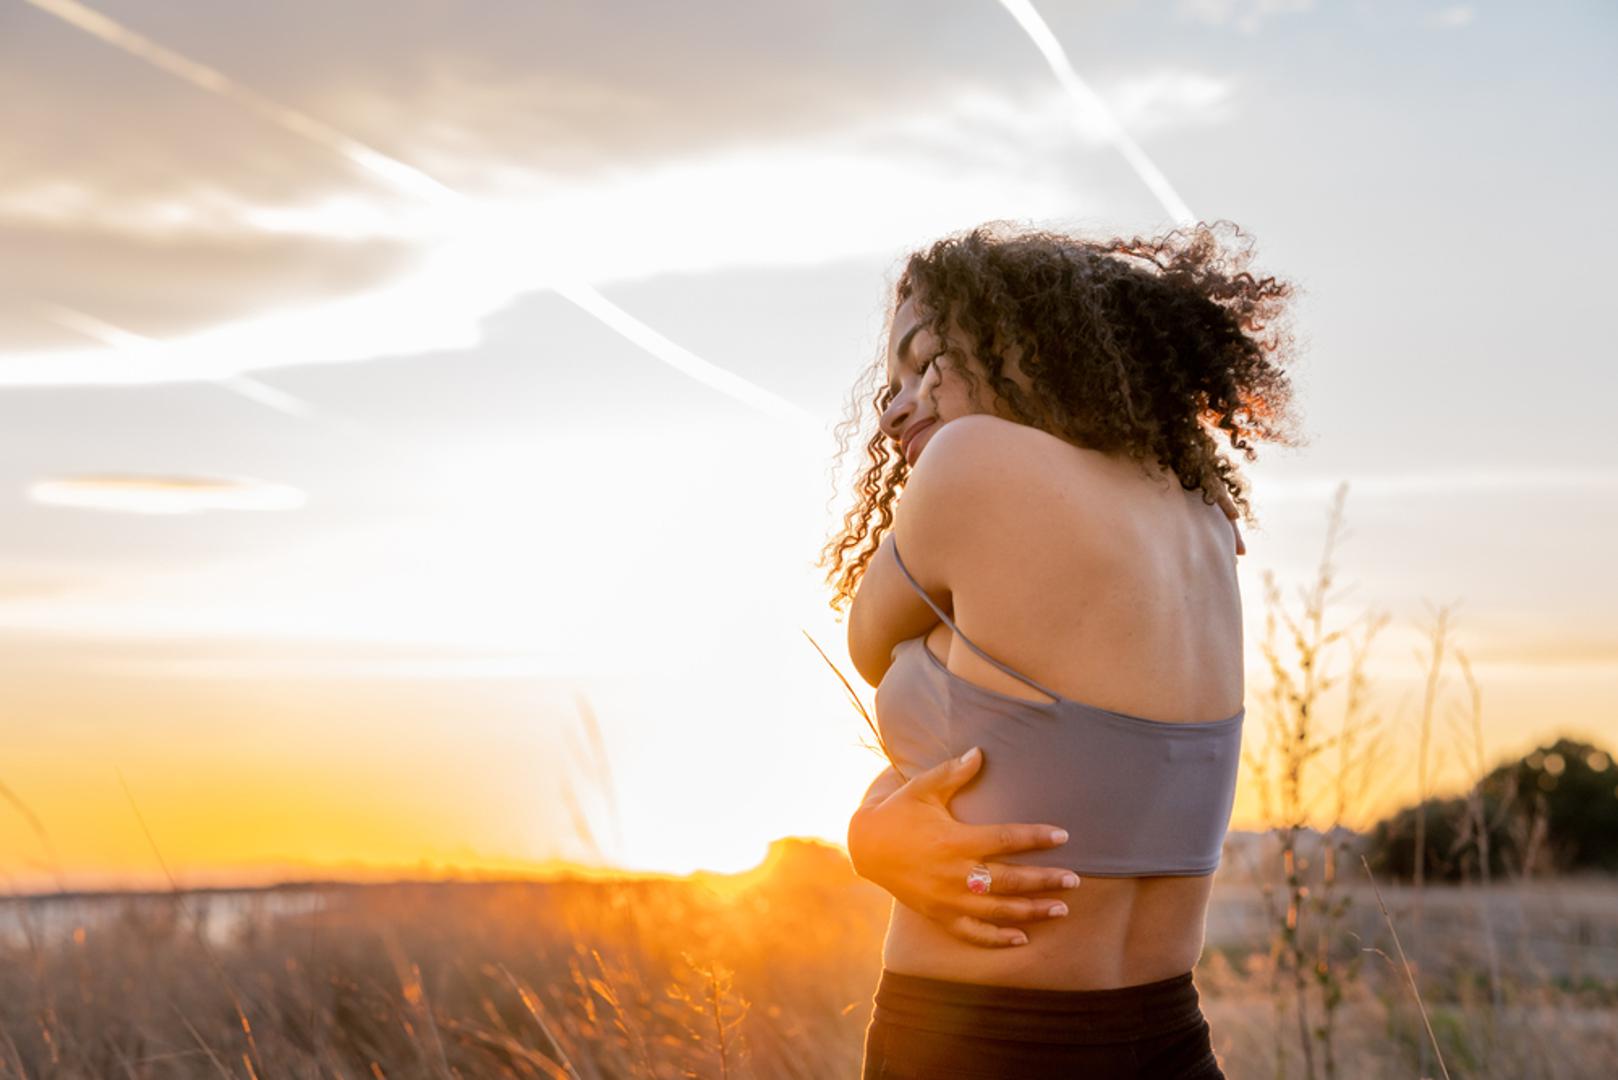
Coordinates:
x,y
418,446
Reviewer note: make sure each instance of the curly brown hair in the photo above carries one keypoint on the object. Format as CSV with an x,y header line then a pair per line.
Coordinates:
x,y
1143,347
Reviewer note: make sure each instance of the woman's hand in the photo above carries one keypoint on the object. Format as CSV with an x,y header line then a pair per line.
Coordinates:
x,y
912,846
1228,505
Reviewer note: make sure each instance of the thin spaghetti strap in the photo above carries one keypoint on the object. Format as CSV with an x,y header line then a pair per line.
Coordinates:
x,y
957,631
905,570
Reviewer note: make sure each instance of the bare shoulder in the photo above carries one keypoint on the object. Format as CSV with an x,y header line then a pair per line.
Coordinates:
x,y
1008,475
987,446
988,451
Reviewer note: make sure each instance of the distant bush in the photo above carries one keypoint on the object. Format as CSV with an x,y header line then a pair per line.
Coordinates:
x,y
1554,811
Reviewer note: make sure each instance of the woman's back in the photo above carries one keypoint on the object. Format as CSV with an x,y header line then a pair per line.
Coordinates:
x,y
1122,592
1117,590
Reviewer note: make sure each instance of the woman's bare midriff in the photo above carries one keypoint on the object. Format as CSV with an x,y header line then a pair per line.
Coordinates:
x,y
1117,932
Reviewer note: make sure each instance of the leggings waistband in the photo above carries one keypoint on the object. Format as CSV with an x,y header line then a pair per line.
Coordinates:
x,y
1036,1014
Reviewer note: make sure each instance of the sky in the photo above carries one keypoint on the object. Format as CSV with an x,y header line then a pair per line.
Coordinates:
x,y
416,421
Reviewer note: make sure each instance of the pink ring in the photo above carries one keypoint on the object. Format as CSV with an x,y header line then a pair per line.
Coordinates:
x,y
978,879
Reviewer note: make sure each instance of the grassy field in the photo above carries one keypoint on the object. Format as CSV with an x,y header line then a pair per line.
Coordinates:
x,y
768,974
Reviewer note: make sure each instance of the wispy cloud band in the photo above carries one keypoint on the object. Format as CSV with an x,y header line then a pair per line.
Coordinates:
x,y
134,494
1439,484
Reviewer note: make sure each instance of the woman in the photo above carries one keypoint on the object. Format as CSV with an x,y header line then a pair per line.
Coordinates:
x,y
1056,600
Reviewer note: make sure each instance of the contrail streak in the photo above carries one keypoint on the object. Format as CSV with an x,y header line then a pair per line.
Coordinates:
x,y
279,400
414,182
682,359
1089,101
128,341
90,326
203,77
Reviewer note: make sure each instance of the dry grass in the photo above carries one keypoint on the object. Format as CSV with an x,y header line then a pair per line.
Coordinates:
x,y
1447,1007
767,975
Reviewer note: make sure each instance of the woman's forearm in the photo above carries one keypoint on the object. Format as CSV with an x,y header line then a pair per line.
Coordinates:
x,y
884,785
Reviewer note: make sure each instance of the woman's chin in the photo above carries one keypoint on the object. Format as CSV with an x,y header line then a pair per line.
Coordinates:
x,y
921,443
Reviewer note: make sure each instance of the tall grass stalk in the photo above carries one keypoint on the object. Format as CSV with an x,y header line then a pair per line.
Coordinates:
x,y
628,1029
876,732
536,1010
707,1014
1433,663
1359,744
1410,975
250,1053
1297,734
1477,826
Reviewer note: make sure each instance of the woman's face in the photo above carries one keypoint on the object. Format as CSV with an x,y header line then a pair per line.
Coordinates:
x,y
918,383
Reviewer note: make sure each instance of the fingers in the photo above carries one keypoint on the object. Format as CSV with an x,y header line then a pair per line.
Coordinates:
x,y
978,932
1004,910
1228,505
1004,905
980,841
943,780
993,921
1010,878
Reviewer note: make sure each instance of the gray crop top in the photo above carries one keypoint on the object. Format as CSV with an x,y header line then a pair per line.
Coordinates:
x,y
1137,797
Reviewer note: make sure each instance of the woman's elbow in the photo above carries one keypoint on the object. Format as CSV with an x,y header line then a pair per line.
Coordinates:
x,y
870,659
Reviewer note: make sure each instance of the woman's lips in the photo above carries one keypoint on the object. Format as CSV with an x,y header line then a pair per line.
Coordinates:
x,y
915,441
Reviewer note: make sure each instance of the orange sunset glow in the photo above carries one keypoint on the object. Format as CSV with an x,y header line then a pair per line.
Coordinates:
x,y
417,446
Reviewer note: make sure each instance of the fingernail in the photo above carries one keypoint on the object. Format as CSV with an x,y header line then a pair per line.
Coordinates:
x,y
967,757
1070,881
1058,836
1020,939
1058,910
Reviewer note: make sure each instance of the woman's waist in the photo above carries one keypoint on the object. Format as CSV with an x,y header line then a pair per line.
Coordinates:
x,y
1097,946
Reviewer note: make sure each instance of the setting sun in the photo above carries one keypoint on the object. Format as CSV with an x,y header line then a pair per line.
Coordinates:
x,y
423,429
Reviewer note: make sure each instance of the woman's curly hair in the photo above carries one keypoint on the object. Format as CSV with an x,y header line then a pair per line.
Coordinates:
x,y
1151,348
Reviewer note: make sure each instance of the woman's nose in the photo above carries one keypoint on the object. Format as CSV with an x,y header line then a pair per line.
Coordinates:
x,y
893,420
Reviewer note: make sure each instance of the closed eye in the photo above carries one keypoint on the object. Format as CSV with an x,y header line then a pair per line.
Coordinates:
x,y
891,391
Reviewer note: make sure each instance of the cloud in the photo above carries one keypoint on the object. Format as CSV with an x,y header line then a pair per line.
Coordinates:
x,y
1430,485
541,92
279,667
162,284
787,206
1246,15
219,210
874,187
1453,17
134,494
1168,99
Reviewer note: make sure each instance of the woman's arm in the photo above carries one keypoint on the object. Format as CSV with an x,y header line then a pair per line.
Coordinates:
x,y
904,839
885,611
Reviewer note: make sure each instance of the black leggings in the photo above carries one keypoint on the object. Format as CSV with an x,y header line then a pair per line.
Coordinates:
x,y
939,1029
